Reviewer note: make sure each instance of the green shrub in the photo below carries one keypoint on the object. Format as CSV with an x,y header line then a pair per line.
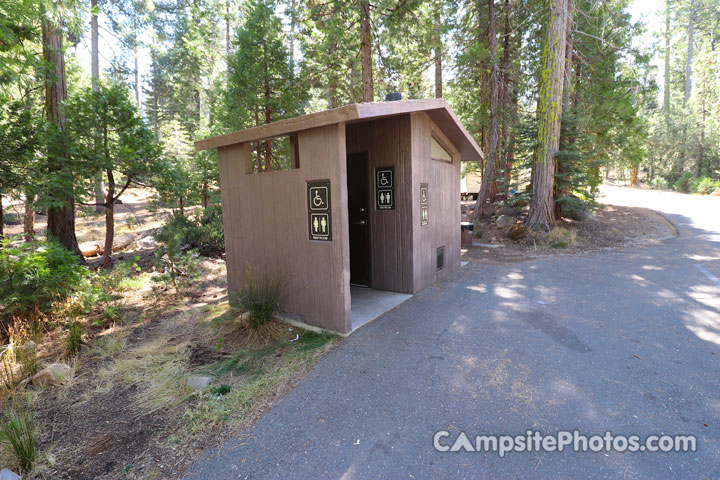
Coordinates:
x,y
706,186
73,342
18,429
260,296
178,268
11,218
684,183
660,183
203,232
36,276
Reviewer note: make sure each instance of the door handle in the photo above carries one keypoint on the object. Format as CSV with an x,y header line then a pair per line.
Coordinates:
x,y
360,222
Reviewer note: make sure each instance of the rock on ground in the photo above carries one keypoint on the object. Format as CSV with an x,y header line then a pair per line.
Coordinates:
x,y
198,382
505,221
6,474
578,215
52,374
509,211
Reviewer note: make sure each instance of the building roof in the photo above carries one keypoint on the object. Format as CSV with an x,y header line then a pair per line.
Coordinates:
x,y
437,108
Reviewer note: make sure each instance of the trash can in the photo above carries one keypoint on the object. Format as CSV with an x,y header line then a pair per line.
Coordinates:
x,y
466,234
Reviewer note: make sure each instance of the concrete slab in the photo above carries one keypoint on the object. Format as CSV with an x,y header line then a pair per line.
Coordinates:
x,y
367,304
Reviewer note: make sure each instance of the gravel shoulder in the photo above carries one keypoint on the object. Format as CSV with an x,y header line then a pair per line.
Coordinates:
x,y
611,227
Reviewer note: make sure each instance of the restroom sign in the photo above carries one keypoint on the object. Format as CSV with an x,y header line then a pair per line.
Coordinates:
x,y
424,208
385,188
319,217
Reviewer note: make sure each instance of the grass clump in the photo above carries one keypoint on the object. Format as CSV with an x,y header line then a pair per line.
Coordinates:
x,y
561,237
73,342
9,376
18,430
260,296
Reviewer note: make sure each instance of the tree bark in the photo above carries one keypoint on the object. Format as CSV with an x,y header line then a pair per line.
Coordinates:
x,y
109,220
550,111
94,49
568,85
505,99
2,219
438,58
489,170
227,43
29,217
268,119
366,51
701,146
293,6
688,65
61,218
666,89
95,77
135,55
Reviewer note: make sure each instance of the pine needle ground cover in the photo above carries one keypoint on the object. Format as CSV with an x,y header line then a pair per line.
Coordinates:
x,y
129,412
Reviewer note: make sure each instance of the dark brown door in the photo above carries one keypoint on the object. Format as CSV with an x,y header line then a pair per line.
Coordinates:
x,y
358,193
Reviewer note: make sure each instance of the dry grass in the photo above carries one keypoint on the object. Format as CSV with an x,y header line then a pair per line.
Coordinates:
x,y
131,376
560,237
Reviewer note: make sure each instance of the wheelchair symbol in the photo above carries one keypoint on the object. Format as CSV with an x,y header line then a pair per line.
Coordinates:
x,y
317,200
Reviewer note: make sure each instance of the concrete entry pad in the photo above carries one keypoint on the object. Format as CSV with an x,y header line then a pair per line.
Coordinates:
x,y
368,304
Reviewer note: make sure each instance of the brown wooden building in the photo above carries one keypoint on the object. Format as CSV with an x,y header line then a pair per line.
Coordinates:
x,y
369,195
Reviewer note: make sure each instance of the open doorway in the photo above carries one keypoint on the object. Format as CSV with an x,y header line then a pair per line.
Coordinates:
x,y
358,185
366,303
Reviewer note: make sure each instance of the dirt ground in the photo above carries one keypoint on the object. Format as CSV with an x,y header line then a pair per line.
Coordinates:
x,y
128,413
609,227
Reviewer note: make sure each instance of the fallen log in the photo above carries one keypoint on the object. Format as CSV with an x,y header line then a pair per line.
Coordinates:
x,y
90,249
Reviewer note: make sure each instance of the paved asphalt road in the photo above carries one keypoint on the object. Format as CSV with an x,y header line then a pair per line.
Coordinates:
x,y
627,342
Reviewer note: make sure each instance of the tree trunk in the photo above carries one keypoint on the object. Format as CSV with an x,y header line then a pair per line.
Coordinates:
x,y
505,99
94,56
135,55
550,111
95,77
701,147
293,6
666,89
227,43
109,220
688,65
568,85
61,218
366,51
29,217
268,119
489,170
438,58
2,219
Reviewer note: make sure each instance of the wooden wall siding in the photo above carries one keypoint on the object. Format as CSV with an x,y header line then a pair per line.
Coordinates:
x,y
387,142
443,181
265,216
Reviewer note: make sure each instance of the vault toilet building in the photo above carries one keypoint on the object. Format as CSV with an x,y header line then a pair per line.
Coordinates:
x,y
370,198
